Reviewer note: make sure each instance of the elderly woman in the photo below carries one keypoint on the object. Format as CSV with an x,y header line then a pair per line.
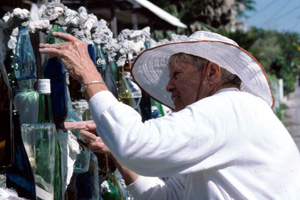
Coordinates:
x,y
222,142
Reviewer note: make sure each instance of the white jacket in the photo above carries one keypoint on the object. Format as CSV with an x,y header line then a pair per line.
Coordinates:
x,y
227,146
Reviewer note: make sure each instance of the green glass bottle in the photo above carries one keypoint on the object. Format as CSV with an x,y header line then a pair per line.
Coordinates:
x,y
26,101
110,189
100,60
156,109
45,116
45,111
114,69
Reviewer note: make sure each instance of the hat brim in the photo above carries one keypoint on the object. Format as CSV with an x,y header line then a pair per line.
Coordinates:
x,y
151,73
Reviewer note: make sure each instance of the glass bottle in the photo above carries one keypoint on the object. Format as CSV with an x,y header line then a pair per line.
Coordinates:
x,y
45,110
145,104
26,101
52,146
100,60
147,44
24,63
110,189
81,164
10,71
20,175
6,120
134,90
87,183
123,89
113,69
55,71
109,80
156,109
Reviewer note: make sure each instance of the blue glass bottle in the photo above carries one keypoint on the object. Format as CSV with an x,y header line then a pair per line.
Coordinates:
x,y
20,175
55,71
6,122
24,63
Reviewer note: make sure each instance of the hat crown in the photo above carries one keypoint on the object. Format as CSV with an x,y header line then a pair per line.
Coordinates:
x,y
204,35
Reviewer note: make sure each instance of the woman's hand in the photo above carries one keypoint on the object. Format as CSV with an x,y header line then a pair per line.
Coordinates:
x,y
75,57
89,133
94,142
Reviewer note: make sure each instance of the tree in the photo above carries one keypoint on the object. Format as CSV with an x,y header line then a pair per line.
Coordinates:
x,y
207,14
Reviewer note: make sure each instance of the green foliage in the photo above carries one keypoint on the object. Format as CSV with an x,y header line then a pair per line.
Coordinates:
x,y
273,79
209,13
279,112
278,52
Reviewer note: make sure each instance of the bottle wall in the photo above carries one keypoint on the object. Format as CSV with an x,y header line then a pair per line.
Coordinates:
x,y
55,166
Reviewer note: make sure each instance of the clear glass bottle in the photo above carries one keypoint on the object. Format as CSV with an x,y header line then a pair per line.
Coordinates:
x,y
123,89
134,90
24,63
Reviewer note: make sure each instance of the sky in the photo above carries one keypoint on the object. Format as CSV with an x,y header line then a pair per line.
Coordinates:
x,y
281,15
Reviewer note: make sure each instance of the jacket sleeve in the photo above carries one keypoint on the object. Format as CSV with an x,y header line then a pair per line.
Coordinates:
x,y
150,188
184,142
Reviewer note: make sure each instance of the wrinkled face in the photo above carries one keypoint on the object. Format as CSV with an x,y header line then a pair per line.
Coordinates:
x,y
183,84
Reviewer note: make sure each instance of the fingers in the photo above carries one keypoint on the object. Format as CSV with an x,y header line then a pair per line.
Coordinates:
x,y
89,136
65,36
54,49
98,147
91,126
94,143
62,45
78,125
51,51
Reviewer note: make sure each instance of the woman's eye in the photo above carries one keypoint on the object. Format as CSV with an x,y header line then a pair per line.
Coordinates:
x,y
176,74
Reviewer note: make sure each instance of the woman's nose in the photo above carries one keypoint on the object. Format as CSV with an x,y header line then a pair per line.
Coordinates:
x,y
170,86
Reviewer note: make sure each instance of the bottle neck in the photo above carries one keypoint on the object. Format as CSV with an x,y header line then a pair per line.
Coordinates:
x,y
45,110
26,85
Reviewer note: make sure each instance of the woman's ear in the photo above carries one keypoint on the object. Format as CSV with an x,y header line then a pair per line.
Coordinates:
x,y
213,74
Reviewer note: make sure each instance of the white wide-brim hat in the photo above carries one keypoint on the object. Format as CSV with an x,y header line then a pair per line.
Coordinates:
x,y
150,69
